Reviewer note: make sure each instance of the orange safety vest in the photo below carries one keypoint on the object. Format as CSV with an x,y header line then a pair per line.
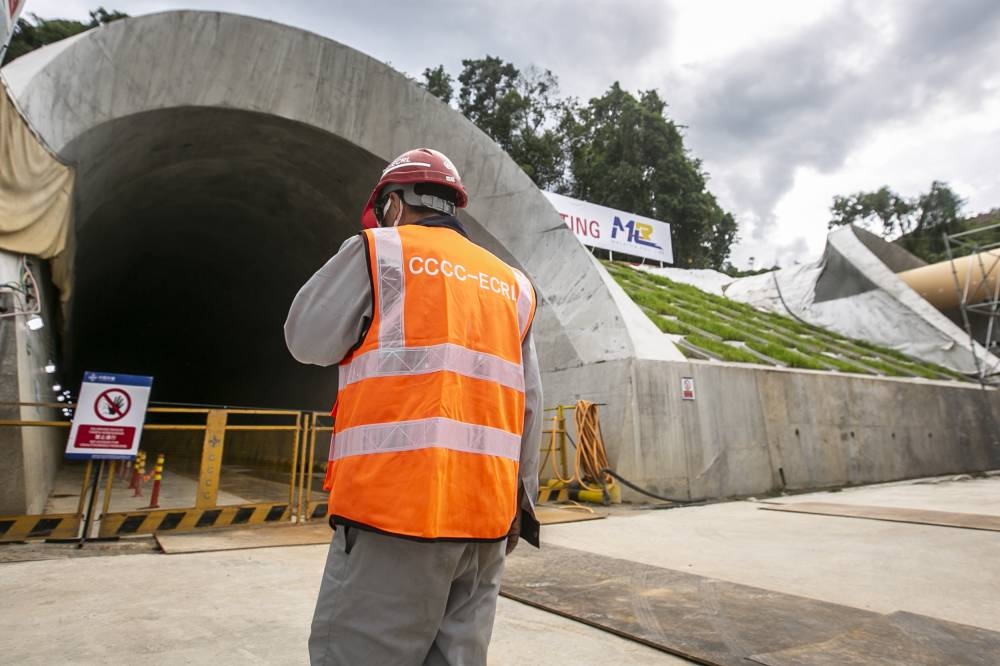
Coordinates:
x,y
430,407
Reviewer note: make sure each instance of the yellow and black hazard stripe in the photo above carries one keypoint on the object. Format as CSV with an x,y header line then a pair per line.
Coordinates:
x,y
45,526
556,492
316,509
553,494
166,520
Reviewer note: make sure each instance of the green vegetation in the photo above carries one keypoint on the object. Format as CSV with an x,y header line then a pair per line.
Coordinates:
x,y
917,224
38,32
672,326
716,327
619,149
721,350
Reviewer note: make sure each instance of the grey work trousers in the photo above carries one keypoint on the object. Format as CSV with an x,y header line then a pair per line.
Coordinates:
x,y
386,601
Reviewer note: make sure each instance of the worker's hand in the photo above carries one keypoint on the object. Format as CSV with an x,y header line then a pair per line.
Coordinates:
x,y
514,535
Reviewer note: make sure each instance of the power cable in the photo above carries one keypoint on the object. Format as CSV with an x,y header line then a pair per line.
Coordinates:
x,y
647,492
26,277
591,459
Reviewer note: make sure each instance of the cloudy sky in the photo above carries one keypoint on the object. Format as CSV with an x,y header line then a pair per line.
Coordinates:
x,y
786,102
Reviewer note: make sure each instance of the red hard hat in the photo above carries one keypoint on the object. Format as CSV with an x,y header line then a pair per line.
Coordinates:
x,y
421,165
368,219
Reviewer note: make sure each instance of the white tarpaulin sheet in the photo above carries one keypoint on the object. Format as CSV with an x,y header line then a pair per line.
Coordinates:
x,y
889,313
35,189
703,278
614,230
35,196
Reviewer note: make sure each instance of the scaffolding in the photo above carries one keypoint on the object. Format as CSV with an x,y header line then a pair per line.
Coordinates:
x,y
978,287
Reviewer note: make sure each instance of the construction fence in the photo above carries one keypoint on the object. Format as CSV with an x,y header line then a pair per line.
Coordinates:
x,y
200,467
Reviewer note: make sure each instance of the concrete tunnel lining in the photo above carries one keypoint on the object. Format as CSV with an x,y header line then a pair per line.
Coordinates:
x,y
274,145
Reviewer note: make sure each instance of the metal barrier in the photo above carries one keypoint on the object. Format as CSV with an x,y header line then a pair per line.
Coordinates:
x,y
306,501
123,512
313,506
557,445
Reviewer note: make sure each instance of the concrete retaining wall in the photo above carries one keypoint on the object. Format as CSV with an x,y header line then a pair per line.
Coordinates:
x,y
754,430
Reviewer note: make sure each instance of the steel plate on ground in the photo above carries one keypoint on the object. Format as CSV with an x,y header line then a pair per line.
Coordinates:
x,y
709,621
263,536
970,521
899,639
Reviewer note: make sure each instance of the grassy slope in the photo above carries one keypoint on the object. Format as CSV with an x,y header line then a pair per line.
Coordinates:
x,y
716,327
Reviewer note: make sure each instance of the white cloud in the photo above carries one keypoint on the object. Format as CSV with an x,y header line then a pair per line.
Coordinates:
x,y
787,102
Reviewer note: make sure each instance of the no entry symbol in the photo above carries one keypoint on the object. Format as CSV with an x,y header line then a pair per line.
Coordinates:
x,y
112,405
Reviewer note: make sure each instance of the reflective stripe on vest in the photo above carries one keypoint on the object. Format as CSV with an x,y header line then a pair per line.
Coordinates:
x,y
390,289
436,432
436,358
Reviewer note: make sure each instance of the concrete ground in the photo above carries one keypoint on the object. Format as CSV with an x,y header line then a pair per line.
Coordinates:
x,y
231,607
253,606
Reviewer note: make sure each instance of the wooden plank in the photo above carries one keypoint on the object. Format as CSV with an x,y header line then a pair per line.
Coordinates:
x,y
701,619
263,536
899,639
969,521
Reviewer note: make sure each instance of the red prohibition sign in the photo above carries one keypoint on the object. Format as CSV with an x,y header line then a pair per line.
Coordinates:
x,y
112,405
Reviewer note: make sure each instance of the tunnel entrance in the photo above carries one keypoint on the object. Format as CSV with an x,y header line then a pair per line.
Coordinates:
x,y
194,229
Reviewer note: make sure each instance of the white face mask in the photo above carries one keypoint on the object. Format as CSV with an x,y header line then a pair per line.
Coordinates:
x,y
385,211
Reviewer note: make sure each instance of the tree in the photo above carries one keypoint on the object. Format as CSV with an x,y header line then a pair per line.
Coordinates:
x,y
625,153
893,212
101,16
721,236
918,224
489,98
618,150
39,32
939,209
521,111
438,83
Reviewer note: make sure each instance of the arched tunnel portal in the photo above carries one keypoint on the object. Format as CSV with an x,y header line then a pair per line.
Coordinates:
x,y
218,161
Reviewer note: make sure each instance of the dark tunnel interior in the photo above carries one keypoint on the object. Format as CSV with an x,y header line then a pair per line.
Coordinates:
x,y
194,230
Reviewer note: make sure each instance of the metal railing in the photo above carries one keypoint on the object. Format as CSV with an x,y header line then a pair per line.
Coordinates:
x,y
306,501
292,453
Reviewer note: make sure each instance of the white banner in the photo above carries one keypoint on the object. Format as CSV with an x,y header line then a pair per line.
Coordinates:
x,y
9,11
614,230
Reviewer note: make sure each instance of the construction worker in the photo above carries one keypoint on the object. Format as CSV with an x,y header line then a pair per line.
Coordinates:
x,y
433,464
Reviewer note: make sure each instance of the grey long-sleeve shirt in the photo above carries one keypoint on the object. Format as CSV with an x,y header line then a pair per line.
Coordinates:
x,y
332,310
